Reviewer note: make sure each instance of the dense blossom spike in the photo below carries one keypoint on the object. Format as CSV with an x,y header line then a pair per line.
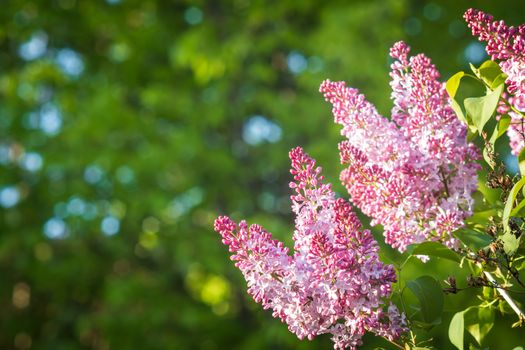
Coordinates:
x,y
334,282
407,172
505,44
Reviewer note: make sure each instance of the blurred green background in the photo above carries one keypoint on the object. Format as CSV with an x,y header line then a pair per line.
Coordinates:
x,y
127,126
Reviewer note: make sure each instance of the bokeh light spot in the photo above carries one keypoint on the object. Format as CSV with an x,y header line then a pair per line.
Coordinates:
x,y
31,161
259,129
55,228
93,174
50,119
9,196
76,206
475,52
35,47
125,175
21,295
296,62
193,15
110,225
70,62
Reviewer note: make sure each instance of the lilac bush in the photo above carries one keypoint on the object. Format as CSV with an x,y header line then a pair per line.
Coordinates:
x,y
416,176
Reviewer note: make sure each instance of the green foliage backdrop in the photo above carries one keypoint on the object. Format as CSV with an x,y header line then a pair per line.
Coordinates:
x,y
127,126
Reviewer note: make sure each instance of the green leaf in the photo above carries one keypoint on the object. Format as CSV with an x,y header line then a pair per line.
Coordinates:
x,y
503,125
499,80
517,211
478,322
455,330
474,69
473,239
481,109
459,112
482,217
510,243
452,84
430,296
500,128
434,249
492,195
509,204
489,72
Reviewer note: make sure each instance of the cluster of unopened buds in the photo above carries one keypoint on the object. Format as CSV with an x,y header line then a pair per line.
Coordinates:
x,y
414,174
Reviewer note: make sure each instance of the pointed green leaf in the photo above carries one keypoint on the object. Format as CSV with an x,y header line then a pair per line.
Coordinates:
x,y
510,243
500,128
499,80
489,71
517,211
452,84
482,217
430,296
479,322
474,69
459,112
509,204
455,330
434,249
473,239
481,109
452,87
491,195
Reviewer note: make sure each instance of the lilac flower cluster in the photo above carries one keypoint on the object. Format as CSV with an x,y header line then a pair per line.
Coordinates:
x,y
415,174
506,45
334,282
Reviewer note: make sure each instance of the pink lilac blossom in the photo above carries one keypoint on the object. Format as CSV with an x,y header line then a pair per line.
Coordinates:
x,y
334,282
414,175
506,45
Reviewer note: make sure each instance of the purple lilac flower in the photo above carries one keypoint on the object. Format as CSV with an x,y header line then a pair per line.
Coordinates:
x,y
414,175
334,282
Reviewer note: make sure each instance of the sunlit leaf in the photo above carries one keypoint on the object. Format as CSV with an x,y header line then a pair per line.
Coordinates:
x,y
452,84
455,330
509,204
478,322
489,71
481,109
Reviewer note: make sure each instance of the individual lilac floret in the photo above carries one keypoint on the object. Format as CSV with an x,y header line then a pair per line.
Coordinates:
x,y
506,45
334,282
414,175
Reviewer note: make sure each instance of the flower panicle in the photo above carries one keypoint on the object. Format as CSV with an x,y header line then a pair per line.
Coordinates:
x,y
405,172
334,282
